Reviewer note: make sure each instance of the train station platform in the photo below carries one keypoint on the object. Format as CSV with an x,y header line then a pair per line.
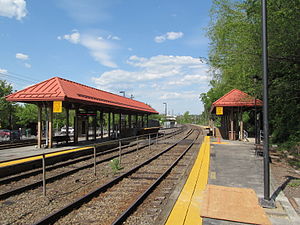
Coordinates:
x,y
224,186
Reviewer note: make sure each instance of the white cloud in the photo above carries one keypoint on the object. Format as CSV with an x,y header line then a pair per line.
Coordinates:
x,y
168,36
87,11
174,35
22,56
3,71
159,39
190,79
116,38
178,79
27,65
179,95
13,8
99,48
73,38
155,68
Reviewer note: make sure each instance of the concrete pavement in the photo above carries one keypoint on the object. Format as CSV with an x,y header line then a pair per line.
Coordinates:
x,y
234,164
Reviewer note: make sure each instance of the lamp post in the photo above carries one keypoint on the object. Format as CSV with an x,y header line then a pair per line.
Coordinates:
x,y
165,108
123,93
266,201
255,79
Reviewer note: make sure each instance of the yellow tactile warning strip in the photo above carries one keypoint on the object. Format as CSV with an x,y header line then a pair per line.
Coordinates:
x,y
187,206
232,204
47,155
220,143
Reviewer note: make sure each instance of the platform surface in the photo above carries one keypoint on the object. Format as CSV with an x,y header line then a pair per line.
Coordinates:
x,y
235,164
232,204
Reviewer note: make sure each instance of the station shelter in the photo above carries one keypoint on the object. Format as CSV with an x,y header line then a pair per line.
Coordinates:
x,y
230,108
90,105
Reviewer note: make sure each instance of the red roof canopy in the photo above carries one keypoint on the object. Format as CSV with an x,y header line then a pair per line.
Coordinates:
x,y
236,98
59,89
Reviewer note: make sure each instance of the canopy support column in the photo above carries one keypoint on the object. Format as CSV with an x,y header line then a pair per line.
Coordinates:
x,y
76,125
39,133
50,133
120,125
95,126
108,125
67,123
231,126
101,124
113,125
136,121
241,125
129,121
87,126
147,120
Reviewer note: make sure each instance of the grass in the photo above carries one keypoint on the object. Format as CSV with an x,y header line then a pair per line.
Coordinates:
x,y
115,165
294,183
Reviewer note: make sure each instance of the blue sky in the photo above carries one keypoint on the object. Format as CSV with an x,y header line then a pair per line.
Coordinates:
x,y
148,48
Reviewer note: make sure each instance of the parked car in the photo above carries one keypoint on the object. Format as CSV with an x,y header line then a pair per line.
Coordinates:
x,y
63,130
15,135
4,133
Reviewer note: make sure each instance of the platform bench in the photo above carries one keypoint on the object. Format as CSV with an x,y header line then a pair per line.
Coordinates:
x,y
58,139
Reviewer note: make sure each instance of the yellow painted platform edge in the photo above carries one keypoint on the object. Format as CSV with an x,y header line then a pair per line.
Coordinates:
x,y
179,213
47,155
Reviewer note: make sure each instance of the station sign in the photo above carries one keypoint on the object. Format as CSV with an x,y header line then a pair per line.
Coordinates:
x,y
57,106
219,110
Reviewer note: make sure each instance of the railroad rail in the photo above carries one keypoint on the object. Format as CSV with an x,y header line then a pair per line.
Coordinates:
x,y
143,178
111,154
16,144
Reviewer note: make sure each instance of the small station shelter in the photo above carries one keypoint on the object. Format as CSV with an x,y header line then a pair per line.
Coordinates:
x,y
90,105
230,108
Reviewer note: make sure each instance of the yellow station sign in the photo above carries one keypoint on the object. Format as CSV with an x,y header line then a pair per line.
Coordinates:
x,y
219,110
57,106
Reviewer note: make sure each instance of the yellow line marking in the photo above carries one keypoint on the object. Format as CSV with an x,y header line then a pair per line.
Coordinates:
x,y
47,155
220,143
187,207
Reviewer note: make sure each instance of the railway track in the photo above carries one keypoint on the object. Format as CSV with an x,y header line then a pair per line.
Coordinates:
x,y
55,172
119,197
29,206
17,144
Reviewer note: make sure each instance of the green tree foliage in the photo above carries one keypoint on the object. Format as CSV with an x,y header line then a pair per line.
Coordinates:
x,y
236,56
26,114
6,108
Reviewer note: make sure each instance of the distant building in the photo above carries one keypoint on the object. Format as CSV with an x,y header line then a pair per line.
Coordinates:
x,y
170,122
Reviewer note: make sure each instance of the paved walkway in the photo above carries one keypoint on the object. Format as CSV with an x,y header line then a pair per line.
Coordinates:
x,y
234,164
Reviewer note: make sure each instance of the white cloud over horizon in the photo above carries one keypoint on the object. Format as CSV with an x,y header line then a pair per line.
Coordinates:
x,y
178,79
168,36
99,48
22,56
13,8
3,71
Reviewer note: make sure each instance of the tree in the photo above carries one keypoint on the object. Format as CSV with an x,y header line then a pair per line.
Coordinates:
x,y
26,114
6,108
